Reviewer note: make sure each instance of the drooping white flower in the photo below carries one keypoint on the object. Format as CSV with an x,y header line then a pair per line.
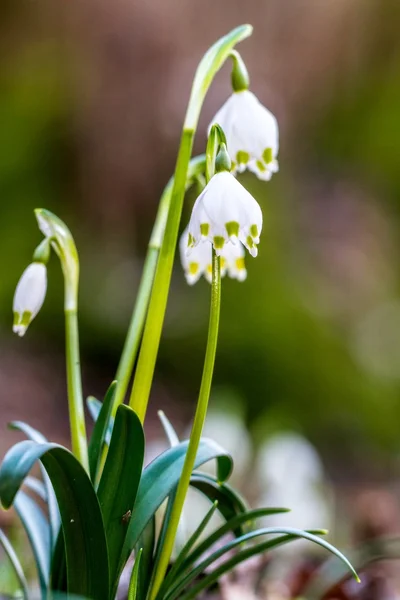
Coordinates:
x,y
29,296
251,132
225,211
199,262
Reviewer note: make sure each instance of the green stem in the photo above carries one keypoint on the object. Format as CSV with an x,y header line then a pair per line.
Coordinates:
x,y
158,301
207,69
74,383
197,429
135,330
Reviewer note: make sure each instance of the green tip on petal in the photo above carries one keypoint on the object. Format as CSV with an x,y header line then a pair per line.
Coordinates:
x,y
21,322
267,155
261,166
193,268
219,242
242,157
204,229
232,228
254,231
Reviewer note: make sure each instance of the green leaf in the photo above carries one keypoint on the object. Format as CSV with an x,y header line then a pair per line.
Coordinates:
x,y
35,485
234,524
160,478
16,565
54,513
176,567
119,483
133,583
230,503
85,542
146,544
38,532
287,531
101,427
331,572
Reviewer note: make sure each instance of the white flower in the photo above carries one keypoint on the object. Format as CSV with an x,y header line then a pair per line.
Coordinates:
x,y
200,260
252,134
29,296
225,211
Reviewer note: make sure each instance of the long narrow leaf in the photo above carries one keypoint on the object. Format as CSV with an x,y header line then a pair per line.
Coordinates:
x,y
146,544
38,532
85,542
230,564
16,565
133,583
230,503
188,546
102,425
200,568
54,513
232,525
160,478
119,483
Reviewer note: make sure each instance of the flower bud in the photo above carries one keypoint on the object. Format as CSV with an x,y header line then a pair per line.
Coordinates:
x,y
29,296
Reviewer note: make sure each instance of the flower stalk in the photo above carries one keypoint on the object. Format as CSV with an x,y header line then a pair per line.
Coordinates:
x,y
63,244
204,395
207,69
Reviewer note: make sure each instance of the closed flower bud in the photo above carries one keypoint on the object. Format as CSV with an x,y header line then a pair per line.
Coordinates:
x,y
29,296
251,132
225,211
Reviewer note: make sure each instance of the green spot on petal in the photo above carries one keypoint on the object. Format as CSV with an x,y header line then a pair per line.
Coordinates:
x,y
193,268
219,242
267,155
190,240
261,166
242,157
254,231
204,229
240,264
232,228
249,241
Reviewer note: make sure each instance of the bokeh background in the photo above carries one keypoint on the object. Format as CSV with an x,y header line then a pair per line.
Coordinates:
x,y
92,98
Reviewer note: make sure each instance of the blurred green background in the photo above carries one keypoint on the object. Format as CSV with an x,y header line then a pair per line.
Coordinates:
x,y
92,98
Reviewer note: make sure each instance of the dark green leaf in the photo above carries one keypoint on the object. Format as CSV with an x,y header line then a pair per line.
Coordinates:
x,y
102,428
38,532
160,478
146,544
133,583
232,525
85,542
54,513
332,571
119,483
230,503
176,567
16,565
184,582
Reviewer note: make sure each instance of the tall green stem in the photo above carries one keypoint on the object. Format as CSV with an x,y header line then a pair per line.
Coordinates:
x,y
158,301
136,325
207,69
197,429
74,383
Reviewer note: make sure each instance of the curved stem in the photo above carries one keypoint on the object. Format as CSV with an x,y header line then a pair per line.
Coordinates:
x,y
197,429
207,69
74,384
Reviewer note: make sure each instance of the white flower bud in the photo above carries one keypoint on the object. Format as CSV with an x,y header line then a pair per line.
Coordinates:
x,y
29,296
252,134
200,260
225,211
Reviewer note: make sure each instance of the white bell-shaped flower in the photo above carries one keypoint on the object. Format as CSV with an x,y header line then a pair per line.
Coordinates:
x,y
252,134
225,211
29,296
199,262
